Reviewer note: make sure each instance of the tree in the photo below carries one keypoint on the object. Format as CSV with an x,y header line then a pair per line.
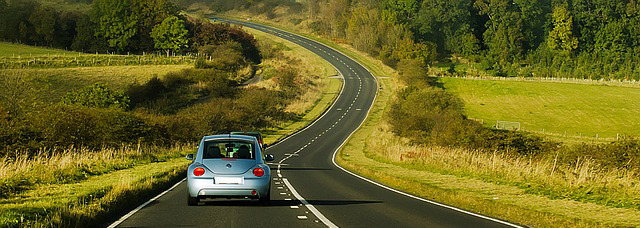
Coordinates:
x,y
85,39
66,28
116,22
561,37
3,7
424,52
150,13
504,30
170,35
449,24
15,18
612,38
400,11
44,21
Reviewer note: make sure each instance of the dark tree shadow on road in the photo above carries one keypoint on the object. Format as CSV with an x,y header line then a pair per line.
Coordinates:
x,y
284,203
303,168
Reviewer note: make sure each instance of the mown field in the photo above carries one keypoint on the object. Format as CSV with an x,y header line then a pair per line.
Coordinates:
x,y
555,109
14,50
59,81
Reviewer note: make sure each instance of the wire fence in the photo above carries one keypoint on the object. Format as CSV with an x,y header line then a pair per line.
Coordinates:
x,y
85,60
591,136
611,82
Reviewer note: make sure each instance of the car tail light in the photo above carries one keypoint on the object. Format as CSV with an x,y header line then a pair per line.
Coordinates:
x,y
254,192
258,172
199,172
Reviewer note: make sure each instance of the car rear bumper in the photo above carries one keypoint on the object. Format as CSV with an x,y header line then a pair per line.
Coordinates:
x,y
205,188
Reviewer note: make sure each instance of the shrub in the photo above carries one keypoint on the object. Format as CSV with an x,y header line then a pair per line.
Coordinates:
x,y
623,153
98,96
18,95
220,86
430,115
64,125
416,111
201,63
191,123
286,79
414,72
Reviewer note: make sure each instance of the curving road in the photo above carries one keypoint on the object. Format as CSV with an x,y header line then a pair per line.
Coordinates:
x,y
308,189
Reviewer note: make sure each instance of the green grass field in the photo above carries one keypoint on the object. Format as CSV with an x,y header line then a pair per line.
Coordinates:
x,y
577,110
59,81
13,50
58,71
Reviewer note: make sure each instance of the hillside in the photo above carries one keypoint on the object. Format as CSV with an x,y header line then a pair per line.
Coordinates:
x,y
555,109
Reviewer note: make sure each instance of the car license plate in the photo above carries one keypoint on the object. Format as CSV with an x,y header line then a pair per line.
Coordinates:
x,y
229,180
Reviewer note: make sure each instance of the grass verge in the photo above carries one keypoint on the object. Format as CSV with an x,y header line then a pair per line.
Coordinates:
x,y
480,189
90,188
329,88
92,201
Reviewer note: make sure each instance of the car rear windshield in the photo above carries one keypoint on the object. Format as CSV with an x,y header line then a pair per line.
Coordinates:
x,y
228,149
254,134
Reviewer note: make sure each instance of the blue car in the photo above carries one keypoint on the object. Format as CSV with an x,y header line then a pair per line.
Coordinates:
x,y
229,166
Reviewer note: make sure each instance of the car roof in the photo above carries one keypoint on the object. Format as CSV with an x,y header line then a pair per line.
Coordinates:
x,y
245,132
228,136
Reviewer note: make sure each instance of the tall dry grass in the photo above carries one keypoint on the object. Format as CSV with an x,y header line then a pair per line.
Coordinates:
x,y
310,79
584,180
69,165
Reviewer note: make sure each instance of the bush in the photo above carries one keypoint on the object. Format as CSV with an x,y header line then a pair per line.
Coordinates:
x,y
623,153
416,112
432,116
65,125
286,78
414,72
210,34
98,96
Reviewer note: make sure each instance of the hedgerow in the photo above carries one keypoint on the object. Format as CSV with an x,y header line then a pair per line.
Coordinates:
x,y
428,114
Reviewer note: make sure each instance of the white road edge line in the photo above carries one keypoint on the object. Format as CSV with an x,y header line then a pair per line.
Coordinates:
x,y
333,159
425,200
309,206
125,217
384,186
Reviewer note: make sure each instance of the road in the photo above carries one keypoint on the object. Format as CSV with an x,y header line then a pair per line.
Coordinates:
x,y
311,190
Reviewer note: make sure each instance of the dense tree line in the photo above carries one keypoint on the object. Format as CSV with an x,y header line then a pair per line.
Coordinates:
x,y
543,38
122,26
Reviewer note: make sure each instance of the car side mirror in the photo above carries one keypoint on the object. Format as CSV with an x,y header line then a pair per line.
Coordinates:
x,y
269,157
264,146
190,157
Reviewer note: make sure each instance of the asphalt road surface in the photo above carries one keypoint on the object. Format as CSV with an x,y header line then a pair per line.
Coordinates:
x,y
310,190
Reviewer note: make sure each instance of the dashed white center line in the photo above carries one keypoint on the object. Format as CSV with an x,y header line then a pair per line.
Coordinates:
x,y
309,206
